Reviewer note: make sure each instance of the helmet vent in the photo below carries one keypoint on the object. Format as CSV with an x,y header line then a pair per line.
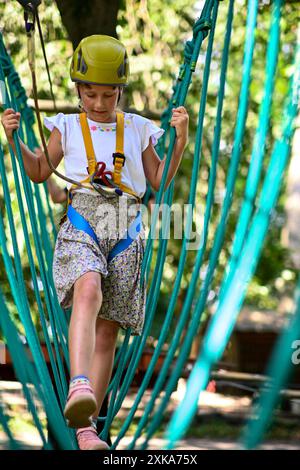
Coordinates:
x,y
79,57
122,68
83,67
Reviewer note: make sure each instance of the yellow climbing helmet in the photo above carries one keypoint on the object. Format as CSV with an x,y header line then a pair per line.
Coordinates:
x,y
100,60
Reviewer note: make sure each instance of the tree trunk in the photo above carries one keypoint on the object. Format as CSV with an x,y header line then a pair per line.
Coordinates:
x,y
82,19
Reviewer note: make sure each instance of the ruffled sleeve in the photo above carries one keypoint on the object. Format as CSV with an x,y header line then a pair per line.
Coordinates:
x,y
152,131
58,121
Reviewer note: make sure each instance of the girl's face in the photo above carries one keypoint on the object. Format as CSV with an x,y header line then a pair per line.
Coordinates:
x,y
99,101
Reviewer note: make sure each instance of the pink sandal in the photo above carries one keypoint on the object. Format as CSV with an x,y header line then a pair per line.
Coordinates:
x,y
81,404
88,439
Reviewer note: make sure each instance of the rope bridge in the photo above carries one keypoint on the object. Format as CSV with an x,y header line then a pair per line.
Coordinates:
x,y
25,209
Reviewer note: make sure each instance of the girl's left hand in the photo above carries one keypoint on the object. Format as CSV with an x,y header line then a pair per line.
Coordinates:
x,y
180,120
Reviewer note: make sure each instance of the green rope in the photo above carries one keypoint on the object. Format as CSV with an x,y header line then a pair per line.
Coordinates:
x,y
280,364
200,31
26,373
20,292
279,370
164,331
193,326
223,321
259,145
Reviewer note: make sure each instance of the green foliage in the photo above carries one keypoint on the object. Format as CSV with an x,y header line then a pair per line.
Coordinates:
x,y
58,48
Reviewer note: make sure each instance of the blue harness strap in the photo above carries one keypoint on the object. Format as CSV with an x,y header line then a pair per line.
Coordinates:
x,y
130,235
81,223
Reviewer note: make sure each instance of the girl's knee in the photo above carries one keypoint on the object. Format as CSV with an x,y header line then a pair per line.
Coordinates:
x,y
88,288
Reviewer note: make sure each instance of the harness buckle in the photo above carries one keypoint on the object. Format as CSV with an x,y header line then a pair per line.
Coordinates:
x,y
119,156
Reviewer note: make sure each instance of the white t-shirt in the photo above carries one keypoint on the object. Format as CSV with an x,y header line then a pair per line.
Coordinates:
x,y
138,130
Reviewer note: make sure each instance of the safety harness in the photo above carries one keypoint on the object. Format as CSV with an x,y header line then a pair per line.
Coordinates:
x,y
106,183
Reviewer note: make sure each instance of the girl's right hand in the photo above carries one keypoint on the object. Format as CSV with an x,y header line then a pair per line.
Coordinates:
x,y
11,121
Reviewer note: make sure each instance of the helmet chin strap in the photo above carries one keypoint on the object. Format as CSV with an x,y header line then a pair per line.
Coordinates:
x,y
79,98
120,94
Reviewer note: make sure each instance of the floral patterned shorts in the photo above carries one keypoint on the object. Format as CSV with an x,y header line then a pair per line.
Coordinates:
x,y
76,253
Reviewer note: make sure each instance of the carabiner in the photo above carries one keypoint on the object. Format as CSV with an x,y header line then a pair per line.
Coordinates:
x,y
102,184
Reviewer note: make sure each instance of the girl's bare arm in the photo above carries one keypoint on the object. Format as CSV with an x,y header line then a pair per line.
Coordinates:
x,y
36,165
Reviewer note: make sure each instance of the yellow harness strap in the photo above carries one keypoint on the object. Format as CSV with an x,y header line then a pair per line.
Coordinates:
x,y
90,154
118,156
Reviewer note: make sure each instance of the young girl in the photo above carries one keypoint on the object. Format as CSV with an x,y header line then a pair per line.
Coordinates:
x,y
97,266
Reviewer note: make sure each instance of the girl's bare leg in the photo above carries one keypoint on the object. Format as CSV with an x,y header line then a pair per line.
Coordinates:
x,y
103,359
87,301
